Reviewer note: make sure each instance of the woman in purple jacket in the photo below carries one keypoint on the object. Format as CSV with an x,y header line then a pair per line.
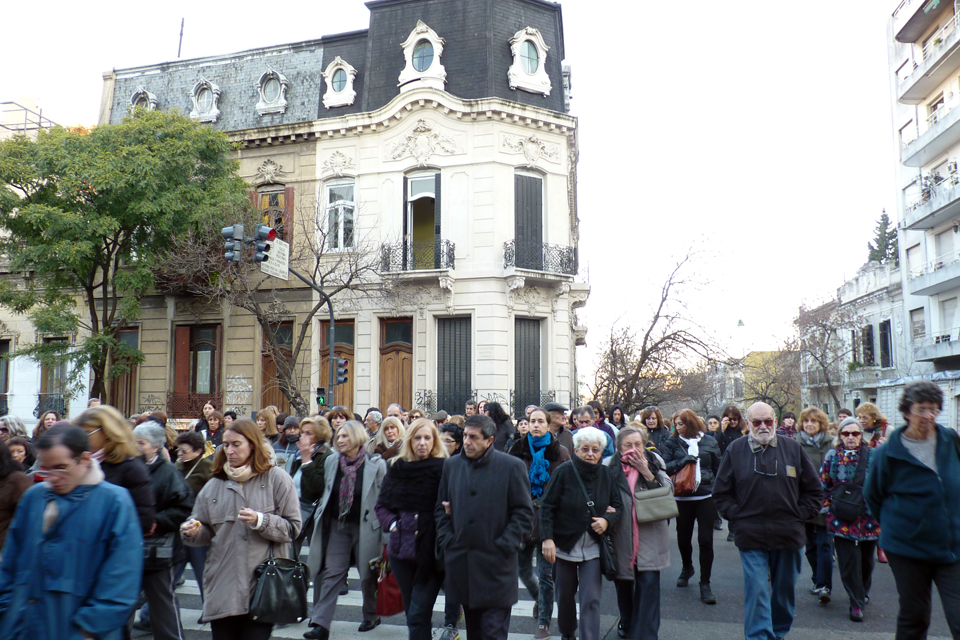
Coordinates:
x,y
406,509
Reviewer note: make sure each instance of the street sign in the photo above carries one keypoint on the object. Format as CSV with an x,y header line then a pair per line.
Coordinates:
x,y
279,260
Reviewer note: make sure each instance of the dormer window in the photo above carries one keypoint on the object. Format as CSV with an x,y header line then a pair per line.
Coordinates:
x,y
339,76
206,101
528,71
422,50
272,88
143,99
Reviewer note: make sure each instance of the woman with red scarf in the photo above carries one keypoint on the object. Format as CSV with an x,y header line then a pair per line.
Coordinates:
x,y
642,550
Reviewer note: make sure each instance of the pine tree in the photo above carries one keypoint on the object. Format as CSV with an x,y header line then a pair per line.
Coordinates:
x,y
884,248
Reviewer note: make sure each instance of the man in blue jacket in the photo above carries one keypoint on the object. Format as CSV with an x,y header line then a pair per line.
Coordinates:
x,y
74,554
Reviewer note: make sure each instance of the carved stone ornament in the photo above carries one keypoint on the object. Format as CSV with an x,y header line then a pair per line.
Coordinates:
x,y
346,95
562,290
534,297
433,75
269,172
446,290
337,163
205,98
424,141
143,98
514,290
14,334
526,72
532,148
272,89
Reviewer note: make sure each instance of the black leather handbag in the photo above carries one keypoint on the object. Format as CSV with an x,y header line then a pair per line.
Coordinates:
x,y
608,562
280,596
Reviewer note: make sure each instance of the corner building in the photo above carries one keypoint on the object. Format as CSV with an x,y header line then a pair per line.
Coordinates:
x,y
438,138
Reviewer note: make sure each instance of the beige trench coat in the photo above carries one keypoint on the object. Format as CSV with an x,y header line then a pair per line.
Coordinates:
x,y
371,536
236,549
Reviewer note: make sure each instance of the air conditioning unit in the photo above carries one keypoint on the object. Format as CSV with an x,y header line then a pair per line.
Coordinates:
x,y
952,166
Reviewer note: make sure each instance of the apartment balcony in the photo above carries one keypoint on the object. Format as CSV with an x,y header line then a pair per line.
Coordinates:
x,y
941,57
944,345
539,260
937,276
50,402
912,18
939,203
190,405
943,131
418,260
866,377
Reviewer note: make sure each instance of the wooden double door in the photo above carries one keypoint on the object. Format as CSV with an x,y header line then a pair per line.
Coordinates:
x,y
396,362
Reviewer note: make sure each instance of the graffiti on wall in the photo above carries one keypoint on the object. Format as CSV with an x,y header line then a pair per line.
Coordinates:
x,y
151,402
239,390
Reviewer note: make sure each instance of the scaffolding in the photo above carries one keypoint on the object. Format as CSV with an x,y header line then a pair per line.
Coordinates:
x,y
16,119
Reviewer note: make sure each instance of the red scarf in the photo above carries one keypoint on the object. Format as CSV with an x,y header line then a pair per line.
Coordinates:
x,y
633,476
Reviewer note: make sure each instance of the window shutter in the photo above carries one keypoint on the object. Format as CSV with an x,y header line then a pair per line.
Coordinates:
x,y
288,214
867,347
528,218
436,206
181,360
406,216
526,363
454,362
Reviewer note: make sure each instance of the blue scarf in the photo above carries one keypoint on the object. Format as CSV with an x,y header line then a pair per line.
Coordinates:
x,y
539,466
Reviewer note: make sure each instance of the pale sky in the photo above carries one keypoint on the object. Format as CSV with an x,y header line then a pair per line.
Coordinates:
x,y
758,132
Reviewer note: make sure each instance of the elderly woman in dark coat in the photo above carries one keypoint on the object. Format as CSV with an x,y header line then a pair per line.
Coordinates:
x,y
643,549
815,442
571,535
405,508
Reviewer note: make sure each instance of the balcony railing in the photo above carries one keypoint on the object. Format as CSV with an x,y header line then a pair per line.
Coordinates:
x,y
519,401
927,73
4,405
935,265
940,337
415,256
50,402
540,256
190,405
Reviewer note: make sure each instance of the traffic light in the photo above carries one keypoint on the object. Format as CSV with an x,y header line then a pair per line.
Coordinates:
x,y
341,371
233,248
321,397
260,247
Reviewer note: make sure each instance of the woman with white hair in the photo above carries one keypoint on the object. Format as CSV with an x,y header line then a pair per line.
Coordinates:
x,y
346,528
173,503
570,533
11,427
388,440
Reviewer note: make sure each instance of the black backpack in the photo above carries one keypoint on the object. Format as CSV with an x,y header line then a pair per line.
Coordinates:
x,y
846,498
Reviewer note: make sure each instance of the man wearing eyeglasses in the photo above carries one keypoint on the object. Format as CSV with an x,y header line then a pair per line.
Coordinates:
x,y
767,488
72,561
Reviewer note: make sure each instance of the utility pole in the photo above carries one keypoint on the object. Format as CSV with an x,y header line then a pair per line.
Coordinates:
x,y
180,46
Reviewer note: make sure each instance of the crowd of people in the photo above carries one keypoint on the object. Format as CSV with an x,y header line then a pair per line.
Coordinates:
x,y
101,514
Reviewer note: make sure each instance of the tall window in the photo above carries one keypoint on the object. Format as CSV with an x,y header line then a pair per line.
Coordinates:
x,y
886,344
340,209
866,339
528,221
917,323
526,363
276,202
197,359
123,388
421,226
454,360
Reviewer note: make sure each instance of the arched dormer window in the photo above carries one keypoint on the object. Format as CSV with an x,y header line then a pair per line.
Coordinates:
x,y
143,99
339,76
206,101
529,70
272,88
422,50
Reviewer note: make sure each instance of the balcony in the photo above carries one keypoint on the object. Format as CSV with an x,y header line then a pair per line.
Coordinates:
x,y
866,377
50,402
939,203
190,405
419,258
912,18
943,131
941,57
943,345
936,276
539,257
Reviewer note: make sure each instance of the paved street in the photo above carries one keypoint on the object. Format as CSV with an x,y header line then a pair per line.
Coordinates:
x,y
684,617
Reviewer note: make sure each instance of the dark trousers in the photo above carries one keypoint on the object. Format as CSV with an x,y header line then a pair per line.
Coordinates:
x,y
855,560
164,610
197,557
585,577
418,597
240,628
639,603
541,585
819,552
704,514
451,609
914,580
487,624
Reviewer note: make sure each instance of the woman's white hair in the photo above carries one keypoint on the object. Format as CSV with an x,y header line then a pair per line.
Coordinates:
x,y
152,432
586,435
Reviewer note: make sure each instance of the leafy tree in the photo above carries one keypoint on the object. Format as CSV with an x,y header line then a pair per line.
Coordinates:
x,y
884,248
84,215
773,377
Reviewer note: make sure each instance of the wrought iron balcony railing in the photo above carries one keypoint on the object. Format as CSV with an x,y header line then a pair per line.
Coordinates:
x,y
540,256
415,256
520,400
50,402
190,405
4,405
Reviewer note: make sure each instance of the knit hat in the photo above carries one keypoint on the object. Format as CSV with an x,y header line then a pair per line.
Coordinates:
x,y
847,421
291,421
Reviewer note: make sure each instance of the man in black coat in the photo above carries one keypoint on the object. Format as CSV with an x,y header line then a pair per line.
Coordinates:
x,y
483,512
767,488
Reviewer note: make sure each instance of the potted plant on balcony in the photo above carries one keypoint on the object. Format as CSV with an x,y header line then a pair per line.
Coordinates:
x,y
937,41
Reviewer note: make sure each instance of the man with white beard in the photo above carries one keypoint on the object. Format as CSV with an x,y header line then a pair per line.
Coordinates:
x,y
767,488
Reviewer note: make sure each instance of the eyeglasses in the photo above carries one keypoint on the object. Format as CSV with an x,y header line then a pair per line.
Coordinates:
x,y
933,413
756,466
650,408
593,450
767,421
850,434
44,473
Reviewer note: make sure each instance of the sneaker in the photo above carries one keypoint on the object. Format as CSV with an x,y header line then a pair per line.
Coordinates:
x,y
543,632
856,614
449,632
718,525
815,590
824,595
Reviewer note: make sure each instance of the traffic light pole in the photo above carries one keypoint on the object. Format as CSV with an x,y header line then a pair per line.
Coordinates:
x,y
331,338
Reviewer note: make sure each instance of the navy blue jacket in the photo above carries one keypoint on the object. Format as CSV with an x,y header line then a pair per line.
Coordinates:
x,y
918,510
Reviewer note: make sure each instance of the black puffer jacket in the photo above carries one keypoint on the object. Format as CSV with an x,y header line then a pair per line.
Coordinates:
x,y
564,515
131,474
174,501
674,452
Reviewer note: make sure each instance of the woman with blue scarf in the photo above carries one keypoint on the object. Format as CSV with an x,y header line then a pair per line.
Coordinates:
x,y
542,453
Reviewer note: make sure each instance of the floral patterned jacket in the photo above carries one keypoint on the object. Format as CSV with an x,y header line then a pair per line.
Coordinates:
x,y
840,466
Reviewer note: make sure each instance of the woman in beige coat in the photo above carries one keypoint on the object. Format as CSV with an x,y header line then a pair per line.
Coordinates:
x,y
248,506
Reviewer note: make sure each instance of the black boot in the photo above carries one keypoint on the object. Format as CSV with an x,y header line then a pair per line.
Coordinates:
x,y
706,595
685,574
317,633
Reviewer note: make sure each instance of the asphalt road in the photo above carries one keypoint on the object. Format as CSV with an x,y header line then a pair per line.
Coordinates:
x,y
683,616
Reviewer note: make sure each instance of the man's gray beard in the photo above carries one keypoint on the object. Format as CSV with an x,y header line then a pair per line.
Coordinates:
x,y
764,438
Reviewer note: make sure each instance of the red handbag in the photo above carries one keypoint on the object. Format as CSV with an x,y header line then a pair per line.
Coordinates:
x,y
389,601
